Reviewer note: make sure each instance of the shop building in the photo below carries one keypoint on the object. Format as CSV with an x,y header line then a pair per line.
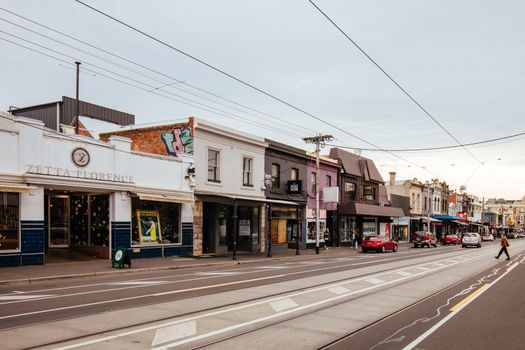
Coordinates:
x,y
364,208
286,194
229,210
328,198
72,192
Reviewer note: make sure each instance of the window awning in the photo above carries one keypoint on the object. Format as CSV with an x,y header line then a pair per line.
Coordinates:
x,y
15,187
377,210
164,197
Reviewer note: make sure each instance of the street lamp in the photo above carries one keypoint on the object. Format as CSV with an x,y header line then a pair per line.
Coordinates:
x,y
427,183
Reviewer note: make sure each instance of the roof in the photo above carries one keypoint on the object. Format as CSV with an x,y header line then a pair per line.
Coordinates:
x,y
357,165
96,126
383,195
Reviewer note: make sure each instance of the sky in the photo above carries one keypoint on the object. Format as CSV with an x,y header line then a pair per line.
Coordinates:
x,y
462,61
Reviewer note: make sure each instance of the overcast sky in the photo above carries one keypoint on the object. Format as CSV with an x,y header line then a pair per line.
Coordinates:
x,y
463,61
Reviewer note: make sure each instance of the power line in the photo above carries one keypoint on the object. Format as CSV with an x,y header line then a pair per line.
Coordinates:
x,y
146,68
251,86
403,90
435,148
149,90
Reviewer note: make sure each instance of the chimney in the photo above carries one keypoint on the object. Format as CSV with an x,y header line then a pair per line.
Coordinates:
x,y
392,177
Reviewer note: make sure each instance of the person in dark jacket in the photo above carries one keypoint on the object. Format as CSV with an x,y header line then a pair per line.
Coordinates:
x,y
504,245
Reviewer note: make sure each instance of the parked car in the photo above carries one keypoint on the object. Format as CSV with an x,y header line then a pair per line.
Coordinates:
x,y
424,239
451,239
471,239
378,243
488,237
512,235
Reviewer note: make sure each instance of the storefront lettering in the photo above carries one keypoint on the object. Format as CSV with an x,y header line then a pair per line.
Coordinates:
x,y
78,173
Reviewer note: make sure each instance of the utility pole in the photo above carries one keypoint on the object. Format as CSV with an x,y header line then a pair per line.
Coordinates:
x,y
317,140
77,127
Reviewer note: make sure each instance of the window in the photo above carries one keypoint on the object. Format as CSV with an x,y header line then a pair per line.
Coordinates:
x,y
276,176
369,192
328,181
294,174
214,166
9,216
247,172
314,182
349,191
425,203
164,217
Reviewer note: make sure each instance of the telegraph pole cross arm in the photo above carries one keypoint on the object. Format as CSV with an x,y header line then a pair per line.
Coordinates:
x,y
317,141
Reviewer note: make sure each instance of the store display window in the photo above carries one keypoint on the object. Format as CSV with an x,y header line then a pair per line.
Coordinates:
x,y
9,221
155,223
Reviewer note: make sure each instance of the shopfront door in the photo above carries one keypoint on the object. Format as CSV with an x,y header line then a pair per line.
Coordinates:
x,y
58,224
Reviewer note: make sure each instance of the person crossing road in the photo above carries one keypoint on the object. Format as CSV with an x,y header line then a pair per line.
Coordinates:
x,y
504,245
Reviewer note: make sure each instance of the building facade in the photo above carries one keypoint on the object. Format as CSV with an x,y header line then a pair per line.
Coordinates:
x,y
71,192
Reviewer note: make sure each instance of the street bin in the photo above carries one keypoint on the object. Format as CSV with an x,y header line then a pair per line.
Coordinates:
x,y
120,258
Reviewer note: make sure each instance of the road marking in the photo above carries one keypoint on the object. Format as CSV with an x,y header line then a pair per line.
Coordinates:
x,y
284,304
241,307
218,273
171,333
136,283
19,296
423,268
339,290
450,315
472,295
310,262
375,281
275,267
404,273
217,285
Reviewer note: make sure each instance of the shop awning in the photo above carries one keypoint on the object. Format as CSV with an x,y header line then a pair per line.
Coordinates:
x,y
445,217
460,223
15,187
164,198
377,210
246,198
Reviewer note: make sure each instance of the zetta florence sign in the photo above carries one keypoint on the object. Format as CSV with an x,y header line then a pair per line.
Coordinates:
x,y
77,173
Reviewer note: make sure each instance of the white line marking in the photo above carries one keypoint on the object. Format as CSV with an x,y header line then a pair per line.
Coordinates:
x,y
284,304
375,281
339,290
21,297
404,273
423,268
225,273
138,283
275,267
171,333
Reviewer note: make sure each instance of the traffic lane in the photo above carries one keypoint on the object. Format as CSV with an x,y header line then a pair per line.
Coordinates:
x,y
79,305
494,320
401,328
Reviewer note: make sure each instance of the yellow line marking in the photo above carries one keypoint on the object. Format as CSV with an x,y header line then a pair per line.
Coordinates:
x,y
218,285
479,291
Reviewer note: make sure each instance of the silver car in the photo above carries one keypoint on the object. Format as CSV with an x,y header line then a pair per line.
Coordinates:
x,y
471,239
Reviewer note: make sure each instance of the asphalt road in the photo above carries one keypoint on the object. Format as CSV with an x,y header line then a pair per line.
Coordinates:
x,y
337,303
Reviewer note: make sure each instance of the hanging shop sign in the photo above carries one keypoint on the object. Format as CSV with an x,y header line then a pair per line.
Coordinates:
x,y
78,173
149,226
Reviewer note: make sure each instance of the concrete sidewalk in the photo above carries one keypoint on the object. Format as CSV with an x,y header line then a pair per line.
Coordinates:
x,y
96,268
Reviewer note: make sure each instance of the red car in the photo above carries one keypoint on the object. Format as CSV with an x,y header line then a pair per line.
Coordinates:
x,y
378,243
451,239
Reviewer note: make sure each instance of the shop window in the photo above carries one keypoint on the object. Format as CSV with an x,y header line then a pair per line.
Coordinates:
x,y
99,222
348,226
276,176
247,171
79,220
9,218
214,165
294,174
155,223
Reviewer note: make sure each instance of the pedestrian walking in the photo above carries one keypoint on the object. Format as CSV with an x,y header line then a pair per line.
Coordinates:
x,y
504,245
353,240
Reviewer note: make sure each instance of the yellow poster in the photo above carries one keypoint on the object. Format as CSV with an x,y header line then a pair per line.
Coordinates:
x,y
149,226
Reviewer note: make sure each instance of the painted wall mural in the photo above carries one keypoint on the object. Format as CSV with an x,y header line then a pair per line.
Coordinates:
x,y
178,141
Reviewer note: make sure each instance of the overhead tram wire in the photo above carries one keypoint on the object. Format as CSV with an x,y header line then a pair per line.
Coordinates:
x,y
251,86
194,104
403,90
435,148
157,72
